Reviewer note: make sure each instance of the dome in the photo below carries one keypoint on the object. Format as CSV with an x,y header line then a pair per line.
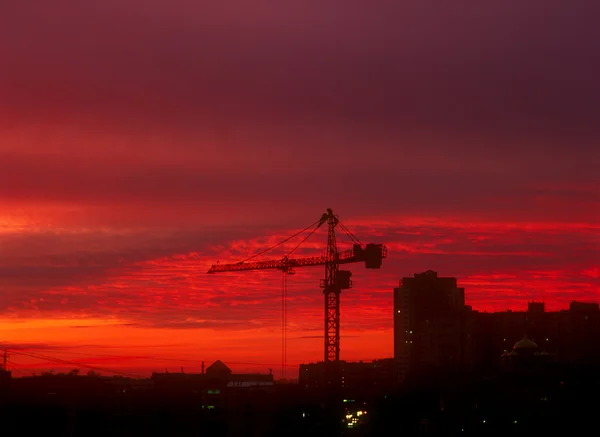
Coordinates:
x,y
525,343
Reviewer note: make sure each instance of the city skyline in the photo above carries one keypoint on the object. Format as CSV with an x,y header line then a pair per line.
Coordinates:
x,y
140,144
35,358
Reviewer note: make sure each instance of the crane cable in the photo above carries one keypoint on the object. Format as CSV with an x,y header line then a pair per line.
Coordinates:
x,y
350,234
305,238
281,242
283,323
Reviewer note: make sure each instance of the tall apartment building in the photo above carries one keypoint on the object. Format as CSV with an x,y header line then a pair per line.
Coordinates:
x,y
431,324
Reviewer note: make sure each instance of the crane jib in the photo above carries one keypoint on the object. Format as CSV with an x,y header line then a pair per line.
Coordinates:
x,y
371,255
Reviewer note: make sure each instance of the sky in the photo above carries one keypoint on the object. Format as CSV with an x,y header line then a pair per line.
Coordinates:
x,y
142,141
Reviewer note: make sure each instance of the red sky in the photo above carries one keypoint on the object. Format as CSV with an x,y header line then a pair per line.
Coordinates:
x,y
141,141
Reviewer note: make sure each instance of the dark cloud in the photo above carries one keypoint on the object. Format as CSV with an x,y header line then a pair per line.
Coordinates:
x,y
168,112
90,326
34,346
149,191
526,67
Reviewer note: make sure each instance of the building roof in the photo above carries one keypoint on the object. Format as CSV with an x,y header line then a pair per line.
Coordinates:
x,y
525,343
218,368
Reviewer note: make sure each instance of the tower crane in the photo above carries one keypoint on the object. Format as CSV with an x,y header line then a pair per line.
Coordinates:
x,y
334,282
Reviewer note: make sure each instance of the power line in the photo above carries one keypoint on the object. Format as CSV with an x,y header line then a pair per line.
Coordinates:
x,y
50,360
81,365
16,367
153,358
157,358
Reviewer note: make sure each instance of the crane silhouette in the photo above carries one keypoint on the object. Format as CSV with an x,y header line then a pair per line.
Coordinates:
x,y
334,282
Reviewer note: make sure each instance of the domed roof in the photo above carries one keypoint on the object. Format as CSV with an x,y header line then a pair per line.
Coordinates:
x,y
525,343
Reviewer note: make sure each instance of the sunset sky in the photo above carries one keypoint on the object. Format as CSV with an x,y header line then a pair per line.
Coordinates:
x,y
141,141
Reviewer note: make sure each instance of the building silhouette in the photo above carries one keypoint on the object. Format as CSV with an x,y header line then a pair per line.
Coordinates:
x,y
431,327
435,332
214,388
357,378
567,336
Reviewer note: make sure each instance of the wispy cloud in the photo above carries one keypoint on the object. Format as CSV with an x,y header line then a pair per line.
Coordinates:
x,y
500,267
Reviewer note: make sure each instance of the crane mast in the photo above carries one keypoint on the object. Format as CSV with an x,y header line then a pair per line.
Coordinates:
x,y
334,282
332,292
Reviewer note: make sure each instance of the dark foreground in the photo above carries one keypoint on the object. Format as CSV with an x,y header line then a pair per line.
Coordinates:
x,y
519,404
